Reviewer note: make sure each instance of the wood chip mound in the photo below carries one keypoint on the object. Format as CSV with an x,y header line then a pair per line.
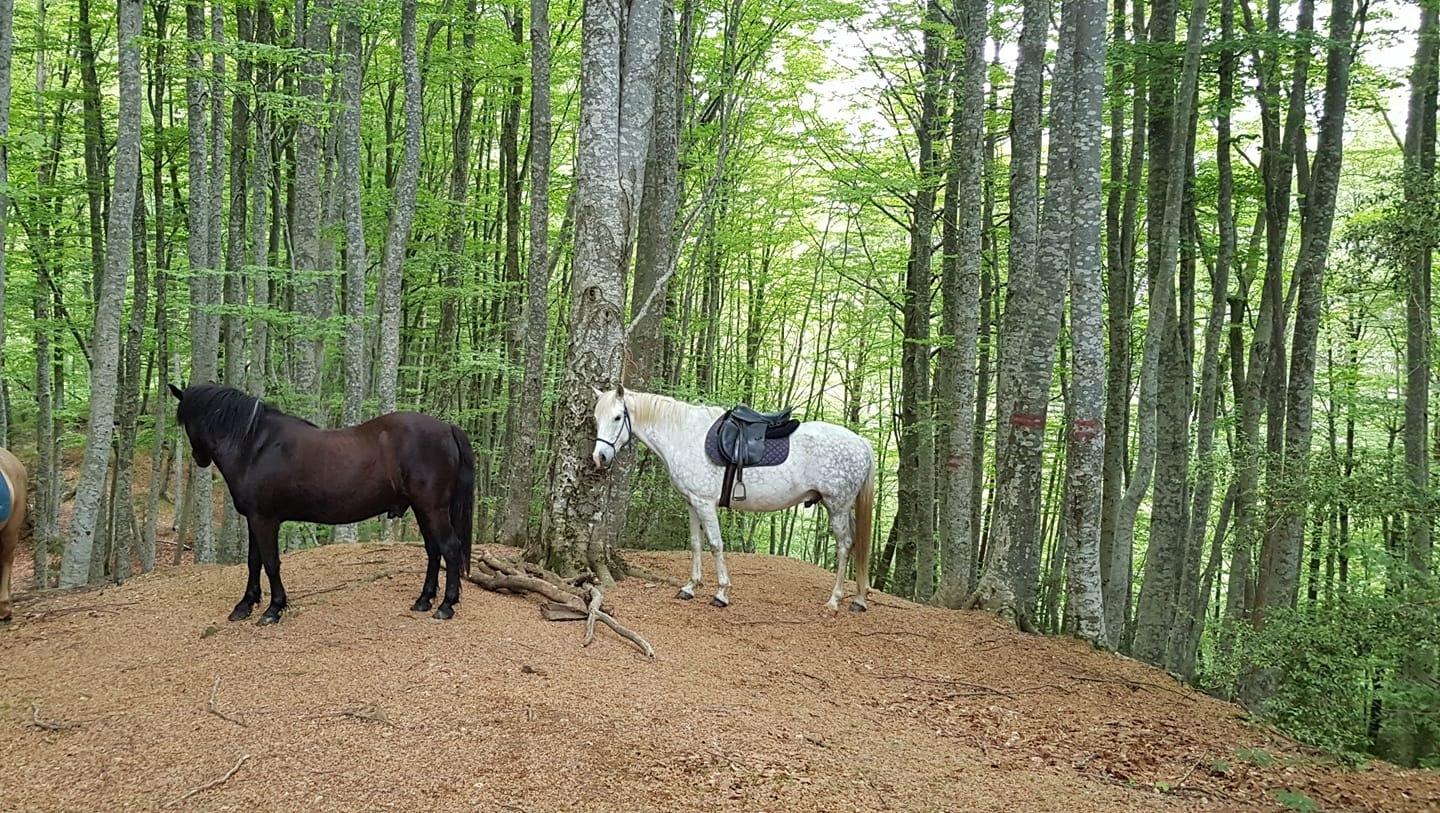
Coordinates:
x,y
143,695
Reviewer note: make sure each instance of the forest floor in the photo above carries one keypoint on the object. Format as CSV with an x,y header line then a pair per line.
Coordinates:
x,y
142,696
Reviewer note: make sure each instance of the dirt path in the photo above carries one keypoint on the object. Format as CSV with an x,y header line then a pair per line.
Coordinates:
x,y
143,696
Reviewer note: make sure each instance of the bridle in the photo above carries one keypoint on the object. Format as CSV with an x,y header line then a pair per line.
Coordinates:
x,y
625,428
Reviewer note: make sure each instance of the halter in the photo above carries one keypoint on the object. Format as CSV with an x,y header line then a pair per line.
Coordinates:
x,y
625,428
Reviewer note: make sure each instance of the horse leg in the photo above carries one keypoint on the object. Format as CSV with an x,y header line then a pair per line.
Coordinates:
x,y
247,602
9,540
696,541
844,537
440,542
432,570
267,538
710,521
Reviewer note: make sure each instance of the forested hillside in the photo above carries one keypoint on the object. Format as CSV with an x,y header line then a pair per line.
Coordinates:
x,y
1133,300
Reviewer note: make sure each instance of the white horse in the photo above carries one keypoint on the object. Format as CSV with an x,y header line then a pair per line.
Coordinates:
x,y
827,463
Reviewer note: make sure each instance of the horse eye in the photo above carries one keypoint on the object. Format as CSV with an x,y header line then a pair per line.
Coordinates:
x,y
617,417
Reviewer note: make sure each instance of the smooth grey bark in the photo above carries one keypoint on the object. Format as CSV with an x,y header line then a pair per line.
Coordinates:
x,y
353,401
203,365
1405,737
260,221
1026,353
519,463
1279,571
307,345
577,500
105,343
962,254
402,215
1185,640
122,500
1076,225
915,507
1117,561
1170,112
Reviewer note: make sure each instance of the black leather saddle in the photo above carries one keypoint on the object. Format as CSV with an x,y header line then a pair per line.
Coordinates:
x,y
743,437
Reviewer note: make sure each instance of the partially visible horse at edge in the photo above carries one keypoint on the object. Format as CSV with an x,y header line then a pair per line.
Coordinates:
x,y
12,519
281,467
827,463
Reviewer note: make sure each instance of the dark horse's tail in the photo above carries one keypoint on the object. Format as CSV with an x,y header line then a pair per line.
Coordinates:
x,y
462,499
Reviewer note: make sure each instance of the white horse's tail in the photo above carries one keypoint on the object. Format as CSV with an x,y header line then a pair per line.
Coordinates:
x,y
860,544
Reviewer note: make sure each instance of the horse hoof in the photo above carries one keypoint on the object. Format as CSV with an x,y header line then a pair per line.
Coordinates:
x,y
268,618
240,613
857,607
684,595
445,612
716,602
421,606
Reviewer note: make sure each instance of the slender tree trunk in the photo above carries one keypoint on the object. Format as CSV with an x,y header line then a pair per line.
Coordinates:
x,y
355,253
106,340
122,500
1405,737
1076,225
203,365
1028,330
312,35
1279,573
961,243
397,238
519,464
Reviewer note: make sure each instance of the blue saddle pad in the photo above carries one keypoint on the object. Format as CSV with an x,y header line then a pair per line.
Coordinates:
x,y
6,499
777,450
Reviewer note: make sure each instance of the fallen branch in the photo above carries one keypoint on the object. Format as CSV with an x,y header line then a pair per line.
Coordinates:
x,y
48,725
373,714
564,601
212,783
214,707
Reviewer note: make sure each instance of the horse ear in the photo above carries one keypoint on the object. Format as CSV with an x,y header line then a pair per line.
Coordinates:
x,y
620,390
178,393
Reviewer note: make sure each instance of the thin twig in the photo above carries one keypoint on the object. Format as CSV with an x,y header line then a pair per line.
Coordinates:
x,y
214,707
47,724
212,783
1132,685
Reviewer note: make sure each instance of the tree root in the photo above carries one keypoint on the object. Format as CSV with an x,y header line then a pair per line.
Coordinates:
x,y
565,600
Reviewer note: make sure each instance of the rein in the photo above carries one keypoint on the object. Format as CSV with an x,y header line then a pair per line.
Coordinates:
x,y
625,428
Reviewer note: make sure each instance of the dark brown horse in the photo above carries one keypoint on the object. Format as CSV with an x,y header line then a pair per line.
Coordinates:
x,y
12,519
279,467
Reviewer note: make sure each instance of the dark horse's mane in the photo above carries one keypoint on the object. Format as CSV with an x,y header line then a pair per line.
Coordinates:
x,y
224,417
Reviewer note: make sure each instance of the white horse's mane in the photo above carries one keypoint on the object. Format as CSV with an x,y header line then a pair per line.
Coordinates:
x,y
662,411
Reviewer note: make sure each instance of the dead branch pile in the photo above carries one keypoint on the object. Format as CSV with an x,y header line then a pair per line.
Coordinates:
x,y
564,600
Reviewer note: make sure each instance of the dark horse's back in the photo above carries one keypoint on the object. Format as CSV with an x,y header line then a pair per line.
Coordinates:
x,y
331,474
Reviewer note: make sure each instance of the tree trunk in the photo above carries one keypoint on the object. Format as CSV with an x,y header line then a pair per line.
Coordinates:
x,y
1405,737
1029,325
197,251
397,238
106,340
519,464
579,497
1072,223
1279,571
312,35
1117,560
962,230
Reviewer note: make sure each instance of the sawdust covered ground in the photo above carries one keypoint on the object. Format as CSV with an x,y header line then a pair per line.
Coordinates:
x,y
142,696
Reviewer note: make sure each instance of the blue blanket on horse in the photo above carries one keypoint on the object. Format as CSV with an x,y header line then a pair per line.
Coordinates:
x,y
7,498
